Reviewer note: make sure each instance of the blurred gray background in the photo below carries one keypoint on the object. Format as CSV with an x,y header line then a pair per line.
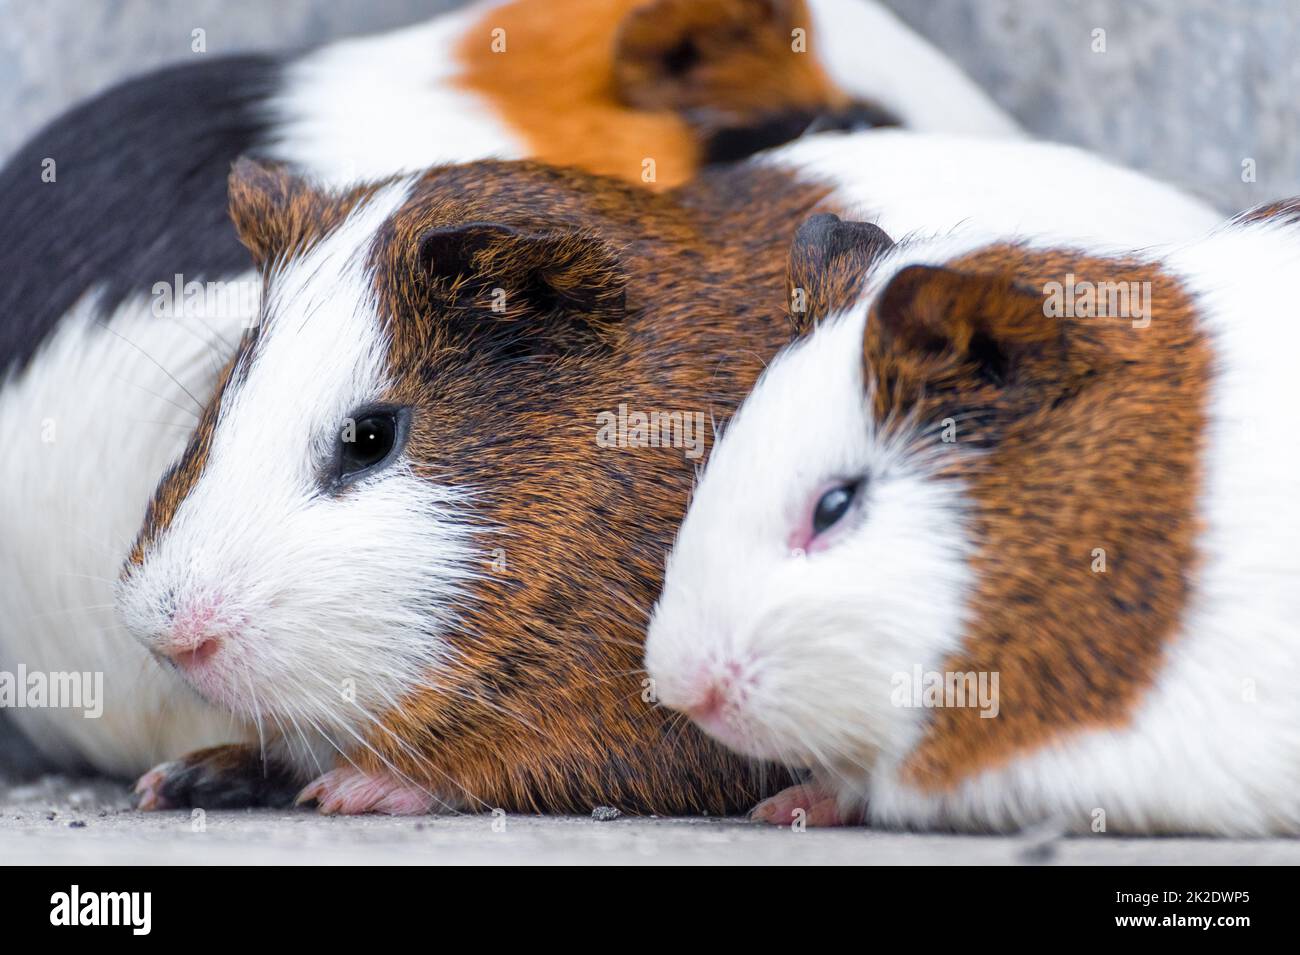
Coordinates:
x,y
1186,89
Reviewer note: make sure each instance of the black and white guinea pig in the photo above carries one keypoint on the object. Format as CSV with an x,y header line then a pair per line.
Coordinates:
x,y
1007,537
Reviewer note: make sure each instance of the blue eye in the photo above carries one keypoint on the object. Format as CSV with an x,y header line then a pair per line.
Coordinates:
x,y
832,507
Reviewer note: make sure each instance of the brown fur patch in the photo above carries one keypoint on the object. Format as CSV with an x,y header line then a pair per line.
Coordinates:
x,y
1089,433
629,80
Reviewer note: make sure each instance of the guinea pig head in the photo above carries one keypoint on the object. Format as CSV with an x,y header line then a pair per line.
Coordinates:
x,y
396,532
648,90
738,71
303,561
730,642
924,482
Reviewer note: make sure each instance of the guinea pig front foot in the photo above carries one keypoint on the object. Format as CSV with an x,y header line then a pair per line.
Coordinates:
x,y
220,777
349,791
810,803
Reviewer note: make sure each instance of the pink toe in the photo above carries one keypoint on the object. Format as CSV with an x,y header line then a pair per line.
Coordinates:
x,y
349,792
780,809
819,807
148,789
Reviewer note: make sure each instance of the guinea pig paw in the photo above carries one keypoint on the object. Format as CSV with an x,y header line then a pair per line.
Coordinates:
x,y
220,777
149,788
348,791
818,806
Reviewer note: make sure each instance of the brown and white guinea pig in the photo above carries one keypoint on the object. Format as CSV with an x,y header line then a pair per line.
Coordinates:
x,y
1007,537
126,289
403,542
395,541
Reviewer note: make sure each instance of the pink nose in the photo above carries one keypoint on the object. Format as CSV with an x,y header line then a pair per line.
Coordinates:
x,y
193,637
187,656
714,688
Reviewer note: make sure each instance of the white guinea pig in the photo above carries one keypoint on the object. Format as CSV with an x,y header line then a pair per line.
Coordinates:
x,y
1007,537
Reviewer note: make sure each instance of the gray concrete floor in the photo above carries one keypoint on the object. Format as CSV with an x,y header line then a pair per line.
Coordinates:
x,y
61,821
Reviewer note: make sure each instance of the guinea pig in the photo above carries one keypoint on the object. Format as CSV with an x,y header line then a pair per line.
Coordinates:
x,y
419,528
126,289
1006,537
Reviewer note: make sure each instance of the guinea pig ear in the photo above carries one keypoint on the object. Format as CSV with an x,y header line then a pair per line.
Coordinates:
x,y
940,322
270,207
828,260
545,281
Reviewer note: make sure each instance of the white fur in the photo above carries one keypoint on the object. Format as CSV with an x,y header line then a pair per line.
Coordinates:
x,y
908,183
370,107
331,604
870,53
89,427
1214,747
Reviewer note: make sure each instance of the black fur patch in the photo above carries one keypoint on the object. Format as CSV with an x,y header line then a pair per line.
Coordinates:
x,y
140,193
227,777
740,142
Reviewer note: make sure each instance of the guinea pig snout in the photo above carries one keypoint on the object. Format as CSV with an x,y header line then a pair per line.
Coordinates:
x,y
716,686
717,694
194,631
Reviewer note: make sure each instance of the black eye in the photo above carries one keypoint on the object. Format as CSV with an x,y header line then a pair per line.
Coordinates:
x,y
832,506
682,58
369,442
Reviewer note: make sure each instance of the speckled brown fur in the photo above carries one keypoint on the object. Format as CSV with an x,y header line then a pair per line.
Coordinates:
x,y
1074,434
541,709
277,216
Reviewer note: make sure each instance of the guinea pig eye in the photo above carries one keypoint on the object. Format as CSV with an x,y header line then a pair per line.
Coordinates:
x,y
368,442
682,58
832,506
